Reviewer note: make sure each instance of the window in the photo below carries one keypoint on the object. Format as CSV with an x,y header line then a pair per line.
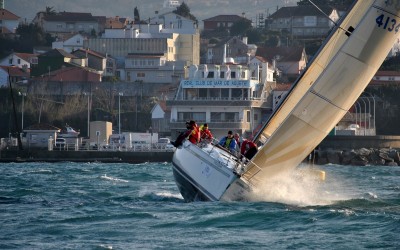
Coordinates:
x,y
203,93
140,75
210,74
216,116
222,74
231,116
10,61
233,74
255,117
237,93
215,93
19,61
59,26
197,116
225,93
248,116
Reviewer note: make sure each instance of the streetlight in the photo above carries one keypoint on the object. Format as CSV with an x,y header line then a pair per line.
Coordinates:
x,y
119,112
88,113
22,122
373,99
365,117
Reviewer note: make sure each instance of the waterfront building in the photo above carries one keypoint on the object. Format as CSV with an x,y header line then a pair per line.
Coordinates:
x,y
227,97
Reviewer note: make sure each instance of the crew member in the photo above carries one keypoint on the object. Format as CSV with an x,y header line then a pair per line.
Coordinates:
x,y
248,149
228,142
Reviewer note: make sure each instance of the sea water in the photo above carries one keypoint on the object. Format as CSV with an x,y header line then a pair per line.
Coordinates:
x,y
123,206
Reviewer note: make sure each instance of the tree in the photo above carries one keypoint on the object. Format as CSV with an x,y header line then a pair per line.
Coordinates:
x,y
240,27
183,10
29,36
50,11
136,15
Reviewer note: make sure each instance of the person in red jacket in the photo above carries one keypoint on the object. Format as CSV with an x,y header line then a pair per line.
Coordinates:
x,y
248,149
205,134
192,133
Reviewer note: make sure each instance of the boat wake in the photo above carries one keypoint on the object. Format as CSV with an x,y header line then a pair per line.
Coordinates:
x,y
303,187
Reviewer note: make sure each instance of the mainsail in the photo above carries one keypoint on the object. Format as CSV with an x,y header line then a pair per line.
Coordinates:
x,y
329,87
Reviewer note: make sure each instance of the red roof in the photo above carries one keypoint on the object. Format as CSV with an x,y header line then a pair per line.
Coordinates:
x,y
286,54
283,86
15,71
72,74
387,73
26,56
303,10
224,18
7,15
70,17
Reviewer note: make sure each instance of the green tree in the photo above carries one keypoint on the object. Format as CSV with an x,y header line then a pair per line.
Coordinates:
x,y
50,11
29,36
183,10
240,27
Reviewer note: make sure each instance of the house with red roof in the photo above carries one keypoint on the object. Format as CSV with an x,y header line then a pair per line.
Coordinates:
x,y
8,22
20,60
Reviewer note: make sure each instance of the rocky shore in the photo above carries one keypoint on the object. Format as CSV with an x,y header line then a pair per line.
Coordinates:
x,y
357,157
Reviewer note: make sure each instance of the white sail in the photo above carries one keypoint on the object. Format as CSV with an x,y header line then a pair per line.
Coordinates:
x,y
334,91
318,65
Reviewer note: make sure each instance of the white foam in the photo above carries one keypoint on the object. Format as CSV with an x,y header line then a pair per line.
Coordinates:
x,y
298,187
112,178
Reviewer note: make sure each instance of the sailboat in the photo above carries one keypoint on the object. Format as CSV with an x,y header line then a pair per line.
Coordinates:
x,y
318,100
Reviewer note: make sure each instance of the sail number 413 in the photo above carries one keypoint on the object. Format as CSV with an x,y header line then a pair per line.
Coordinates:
x,y
388,23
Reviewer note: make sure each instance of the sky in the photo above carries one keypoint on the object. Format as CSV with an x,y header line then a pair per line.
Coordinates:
x,y
201,9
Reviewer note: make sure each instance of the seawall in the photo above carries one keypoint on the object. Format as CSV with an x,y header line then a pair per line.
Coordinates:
x,y
14,155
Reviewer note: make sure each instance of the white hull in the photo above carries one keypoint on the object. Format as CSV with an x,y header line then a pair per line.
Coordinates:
x,y
205,174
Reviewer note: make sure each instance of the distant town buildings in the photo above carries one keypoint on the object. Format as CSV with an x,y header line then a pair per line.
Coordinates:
x,y
303,21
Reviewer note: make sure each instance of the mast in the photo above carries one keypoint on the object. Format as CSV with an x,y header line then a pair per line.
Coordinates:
x,y
332,92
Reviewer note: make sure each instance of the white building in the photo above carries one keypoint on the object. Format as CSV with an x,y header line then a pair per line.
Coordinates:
x,y
69,42
227,97
20,60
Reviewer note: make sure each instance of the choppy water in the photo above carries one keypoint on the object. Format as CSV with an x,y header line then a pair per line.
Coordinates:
x,y
124,206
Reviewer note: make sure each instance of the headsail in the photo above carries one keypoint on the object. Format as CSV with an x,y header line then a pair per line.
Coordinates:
x,y
334,42
335,82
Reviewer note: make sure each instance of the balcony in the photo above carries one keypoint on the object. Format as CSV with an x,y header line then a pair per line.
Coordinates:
x,y
239,102
223,125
